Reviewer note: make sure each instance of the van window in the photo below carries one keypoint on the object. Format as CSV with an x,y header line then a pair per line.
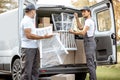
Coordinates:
x,y
104,20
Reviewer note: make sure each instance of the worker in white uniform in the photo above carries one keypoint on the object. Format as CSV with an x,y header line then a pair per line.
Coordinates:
x,y
88,31
30,59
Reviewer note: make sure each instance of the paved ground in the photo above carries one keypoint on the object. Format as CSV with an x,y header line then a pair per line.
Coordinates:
x,y
3,77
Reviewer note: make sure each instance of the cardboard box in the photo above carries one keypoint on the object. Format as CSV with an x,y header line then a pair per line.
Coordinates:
x,y
44,25
63,77
70,58
45,20
40,25
80,53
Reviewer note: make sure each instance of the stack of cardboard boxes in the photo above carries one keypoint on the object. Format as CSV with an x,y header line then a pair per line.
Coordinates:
x,y
44,22
63,77
78,56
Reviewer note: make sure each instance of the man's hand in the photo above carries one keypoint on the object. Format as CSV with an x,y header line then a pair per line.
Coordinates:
x,y
76,15
75,32
71,31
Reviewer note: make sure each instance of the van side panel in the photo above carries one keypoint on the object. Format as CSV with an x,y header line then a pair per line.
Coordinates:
x,y
8,37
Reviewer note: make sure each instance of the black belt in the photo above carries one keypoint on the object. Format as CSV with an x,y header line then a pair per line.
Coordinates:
x,y
78,37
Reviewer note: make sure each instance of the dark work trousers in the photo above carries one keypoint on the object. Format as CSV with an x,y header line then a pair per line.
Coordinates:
x,y
90,47
30,63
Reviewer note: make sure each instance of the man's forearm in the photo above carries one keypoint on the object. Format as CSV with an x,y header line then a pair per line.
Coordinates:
x,y
79,24
81,32
29,35
35,37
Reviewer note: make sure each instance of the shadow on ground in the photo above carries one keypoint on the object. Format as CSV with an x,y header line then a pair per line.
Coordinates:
x,y
5,77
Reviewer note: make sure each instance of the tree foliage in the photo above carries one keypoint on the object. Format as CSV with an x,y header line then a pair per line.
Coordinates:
x,y
117,16
6,5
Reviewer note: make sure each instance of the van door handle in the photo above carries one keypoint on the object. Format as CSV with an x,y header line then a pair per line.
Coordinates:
x,y
113,36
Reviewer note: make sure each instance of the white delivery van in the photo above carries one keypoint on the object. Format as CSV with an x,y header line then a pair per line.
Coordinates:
x,y
106,53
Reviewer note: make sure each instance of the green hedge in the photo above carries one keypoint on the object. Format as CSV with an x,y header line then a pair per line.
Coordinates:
x,y
118,48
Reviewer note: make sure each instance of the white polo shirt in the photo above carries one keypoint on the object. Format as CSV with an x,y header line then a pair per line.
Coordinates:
x,y
90,23
27,22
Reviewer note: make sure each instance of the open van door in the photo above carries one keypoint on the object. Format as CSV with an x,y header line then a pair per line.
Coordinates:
x,y
103,14
31,1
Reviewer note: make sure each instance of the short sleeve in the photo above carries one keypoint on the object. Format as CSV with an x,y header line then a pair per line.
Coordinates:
x,y
87,23
26,25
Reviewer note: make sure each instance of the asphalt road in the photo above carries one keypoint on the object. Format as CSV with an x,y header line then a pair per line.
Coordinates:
x,y
5,77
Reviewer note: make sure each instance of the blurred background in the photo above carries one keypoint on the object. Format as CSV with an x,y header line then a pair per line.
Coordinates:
x,y
103,72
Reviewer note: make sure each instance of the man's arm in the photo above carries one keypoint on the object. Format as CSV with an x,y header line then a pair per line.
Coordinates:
x,y
78,22
81,32
29,35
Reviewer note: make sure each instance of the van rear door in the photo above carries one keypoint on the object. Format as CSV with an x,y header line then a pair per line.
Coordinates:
x,y
31,1
103,14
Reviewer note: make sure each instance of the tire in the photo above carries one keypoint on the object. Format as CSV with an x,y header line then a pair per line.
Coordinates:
x,y
80,76
16,69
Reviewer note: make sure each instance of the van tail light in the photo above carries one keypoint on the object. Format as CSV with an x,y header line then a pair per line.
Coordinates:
x,y
43,71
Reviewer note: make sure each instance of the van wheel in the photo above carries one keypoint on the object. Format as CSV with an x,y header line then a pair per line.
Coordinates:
x,y
16,70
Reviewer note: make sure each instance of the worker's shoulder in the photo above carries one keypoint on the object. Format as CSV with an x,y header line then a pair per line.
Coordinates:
x,y
25,20
90,20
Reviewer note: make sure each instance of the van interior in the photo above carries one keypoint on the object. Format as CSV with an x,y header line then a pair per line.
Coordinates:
x,y
72,57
